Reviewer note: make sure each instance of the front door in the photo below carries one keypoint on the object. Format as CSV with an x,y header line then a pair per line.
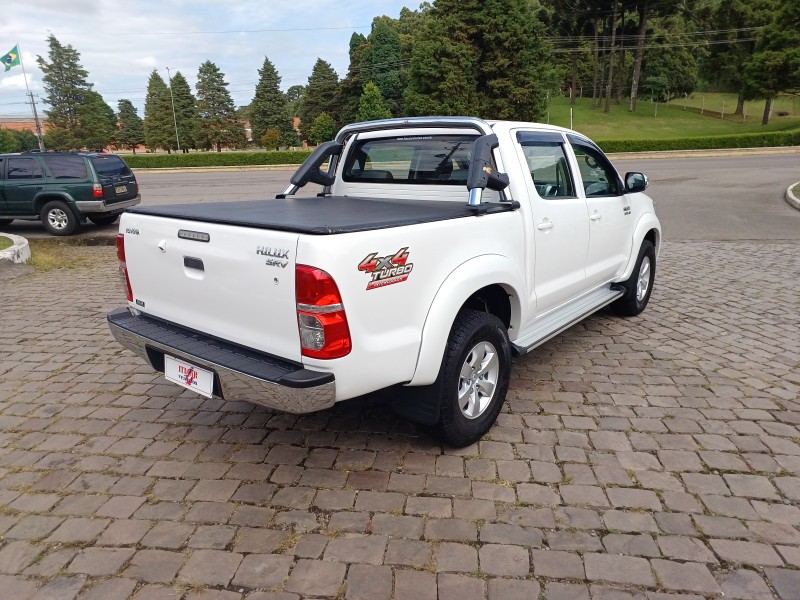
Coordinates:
x,y
609,208
560,221
24,180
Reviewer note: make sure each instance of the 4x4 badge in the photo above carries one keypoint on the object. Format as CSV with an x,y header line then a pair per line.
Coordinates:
x,y
386,270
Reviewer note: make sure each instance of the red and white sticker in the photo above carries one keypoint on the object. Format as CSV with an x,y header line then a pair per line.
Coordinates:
x,y
386,270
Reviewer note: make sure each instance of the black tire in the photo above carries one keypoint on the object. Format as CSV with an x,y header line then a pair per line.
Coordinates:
x,y
475,336
633,302
103,220
4,222
58,218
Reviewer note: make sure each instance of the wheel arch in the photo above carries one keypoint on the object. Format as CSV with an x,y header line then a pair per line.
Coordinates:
x,y
42,199
466,287
648,228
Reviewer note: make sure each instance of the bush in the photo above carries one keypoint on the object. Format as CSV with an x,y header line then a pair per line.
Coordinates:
x,y
745,140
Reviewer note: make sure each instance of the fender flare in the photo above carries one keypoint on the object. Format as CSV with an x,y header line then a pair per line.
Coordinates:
x,y
466,279
43,198
647,223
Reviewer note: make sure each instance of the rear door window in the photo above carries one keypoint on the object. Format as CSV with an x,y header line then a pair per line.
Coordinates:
x,y
66,166
23,168
108,165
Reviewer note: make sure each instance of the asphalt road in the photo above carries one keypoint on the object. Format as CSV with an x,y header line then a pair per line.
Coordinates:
x,y
698,198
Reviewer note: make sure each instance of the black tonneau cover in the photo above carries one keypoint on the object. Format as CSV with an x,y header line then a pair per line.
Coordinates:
x,y
318,215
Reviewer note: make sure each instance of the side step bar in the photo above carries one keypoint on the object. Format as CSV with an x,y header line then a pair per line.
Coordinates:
x,y
551,325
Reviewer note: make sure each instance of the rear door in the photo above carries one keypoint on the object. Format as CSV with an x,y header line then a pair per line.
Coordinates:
x,y
24,180
233,283
119,183
69,173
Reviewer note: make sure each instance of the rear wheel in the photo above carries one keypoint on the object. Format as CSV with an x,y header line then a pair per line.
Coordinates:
x,y
639,285
4,222
58,219
474,377
103,220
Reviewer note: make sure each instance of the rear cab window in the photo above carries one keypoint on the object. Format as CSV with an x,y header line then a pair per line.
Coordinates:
x,y
23,168
547,163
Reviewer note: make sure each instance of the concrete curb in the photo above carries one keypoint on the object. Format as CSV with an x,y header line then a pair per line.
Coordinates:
x,y
793,200
20,252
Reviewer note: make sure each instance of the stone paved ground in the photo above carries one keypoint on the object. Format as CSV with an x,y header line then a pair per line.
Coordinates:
x,y
657,458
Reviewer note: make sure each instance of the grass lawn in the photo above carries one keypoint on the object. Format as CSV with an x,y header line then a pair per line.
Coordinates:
x,y
754,109
669,121
5,242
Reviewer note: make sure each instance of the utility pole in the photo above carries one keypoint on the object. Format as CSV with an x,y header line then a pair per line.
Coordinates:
x,y
174,118
39,137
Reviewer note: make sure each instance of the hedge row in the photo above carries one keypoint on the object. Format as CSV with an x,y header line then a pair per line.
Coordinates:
x,y
214,159
295,157
745,140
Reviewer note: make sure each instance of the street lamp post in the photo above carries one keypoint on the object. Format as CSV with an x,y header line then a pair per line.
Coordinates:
x,y
174,118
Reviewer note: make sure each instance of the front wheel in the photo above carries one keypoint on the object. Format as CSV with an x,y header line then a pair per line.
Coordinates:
x,y
474,377
639,285
58,219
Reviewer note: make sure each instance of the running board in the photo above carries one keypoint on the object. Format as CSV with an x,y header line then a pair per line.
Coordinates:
x,y
551,325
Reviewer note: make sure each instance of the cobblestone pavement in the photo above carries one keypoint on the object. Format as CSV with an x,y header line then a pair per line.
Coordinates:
x,y
656,457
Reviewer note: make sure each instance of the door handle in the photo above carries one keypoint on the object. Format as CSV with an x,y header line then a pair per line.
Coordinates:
x,y
595,216
545,225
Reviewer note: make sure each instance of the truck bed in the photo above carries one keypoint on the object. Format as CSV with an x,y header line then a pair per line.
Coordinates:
x,y
318,215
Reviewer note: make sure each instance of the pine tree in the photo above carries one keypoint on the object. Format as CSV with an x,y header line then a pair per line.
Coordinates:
x,y
217,124
66,86
320,96
130,128
381,61
351,87
159,130
371,105
269,108
97,123
185,111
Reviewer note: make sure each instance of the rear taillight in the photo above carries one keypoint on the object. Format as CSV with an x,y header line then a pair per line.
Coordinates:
x,y
123,268
320,315
97,190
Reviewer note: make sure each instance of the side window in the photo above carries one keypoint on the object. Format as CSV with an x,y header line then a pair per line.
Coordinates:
x,y
65,166
599,177
23,168
549,170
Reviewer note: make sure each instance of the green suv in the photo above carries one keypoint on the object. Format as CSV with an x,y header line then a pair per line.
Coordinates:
x,y
63,189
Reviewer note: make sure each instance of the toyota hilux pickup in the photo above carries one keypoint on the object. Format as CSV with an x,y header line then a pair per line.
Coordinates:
x,y
435,250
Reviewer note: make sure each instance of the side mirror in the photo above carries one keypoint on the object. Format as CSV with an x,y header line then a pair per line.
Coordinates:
x,y
309,171
635,182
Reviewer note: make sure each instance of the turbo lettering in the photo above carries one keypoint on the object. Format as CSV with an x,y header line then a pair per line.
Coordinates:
x,y
386,270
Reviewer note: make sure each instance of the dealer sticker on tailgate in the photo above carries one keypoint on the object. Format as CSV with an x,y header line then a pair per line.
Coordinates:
x,y
189,376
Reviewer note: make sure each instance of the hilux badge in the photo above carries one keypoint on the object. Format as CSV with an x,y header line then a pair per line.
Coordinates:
x,y
277,257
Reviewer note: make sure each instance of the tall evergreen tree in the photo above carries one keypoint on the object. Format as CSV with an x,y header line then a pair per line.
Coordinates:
x,y
269,108
159,130
351,87
371,105
130,128
185,111
320,96
97,123
66,87
217,124
381,62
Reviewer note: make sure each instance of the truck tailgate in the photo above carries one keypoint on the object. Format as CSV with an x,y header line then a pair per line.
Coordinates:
x,y
233,283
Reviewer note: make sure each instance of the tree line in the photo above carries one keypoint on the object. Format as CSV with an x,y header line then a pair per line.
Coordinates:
x,y
497,59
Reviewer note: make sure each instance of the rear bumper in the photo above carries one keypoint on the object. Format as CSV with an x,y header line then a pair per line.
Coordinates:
x,y
99,206
239,373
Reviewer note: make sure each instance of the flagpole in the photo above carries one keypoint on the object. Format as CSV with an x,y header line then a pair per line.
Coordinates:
x,y
33,103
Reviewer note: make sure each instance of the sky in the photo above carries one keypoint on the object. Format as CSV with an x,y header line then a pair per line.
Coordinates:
x,y
121,42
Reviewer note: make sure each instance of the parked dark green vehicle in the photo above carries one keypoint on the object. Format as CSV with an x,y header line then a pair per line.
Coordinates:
x,y
64,189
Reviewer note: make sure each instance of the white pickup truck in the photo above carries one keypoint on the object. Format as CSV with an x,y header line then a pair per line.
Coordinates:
x,y
437,248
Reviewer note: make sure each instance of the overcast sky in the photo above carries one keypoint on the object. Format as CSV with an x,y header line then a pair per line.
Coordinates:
x,y
120,43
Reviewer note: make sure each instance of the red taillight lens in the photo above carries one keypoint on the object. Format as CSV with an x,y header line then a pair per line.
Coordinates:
x,y
97,190
123,269
324,332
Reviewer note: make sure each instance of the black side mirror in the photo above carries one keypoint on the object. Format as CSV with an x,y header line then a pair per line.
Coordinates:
x,y
482,174
635,182
309,171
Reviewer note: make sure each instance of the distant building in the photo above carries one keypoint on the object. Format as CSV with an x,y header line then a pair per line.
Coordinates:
x,y
21,122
